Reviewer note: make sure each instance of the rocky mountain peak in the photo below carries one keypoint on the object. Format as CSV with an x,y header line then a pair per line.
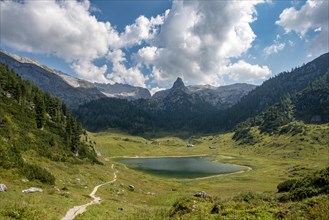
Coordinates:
x,y
178,84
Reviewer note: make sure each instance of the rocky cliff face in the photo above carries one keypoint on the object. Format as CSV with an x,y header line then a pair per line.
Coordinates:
x,y
224,96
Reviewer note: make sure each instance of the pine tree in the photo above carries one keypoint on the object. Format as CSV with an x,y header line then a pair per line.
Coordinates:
x,y
40,109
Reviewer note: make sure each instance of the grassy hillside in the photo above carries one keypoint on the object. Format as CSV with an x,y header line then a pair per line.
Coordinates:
x,y
37,133
33,120
274,159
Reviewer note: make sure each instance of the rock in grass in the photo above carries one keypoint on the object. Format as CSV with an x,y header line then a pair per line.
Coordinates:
x,y
3,187
32,190
201,194
131,187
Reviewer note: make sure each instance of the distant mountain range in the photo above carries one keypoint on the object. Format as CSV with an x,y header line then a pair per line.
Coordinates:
x,y
220,97
199,108
74,91
183,108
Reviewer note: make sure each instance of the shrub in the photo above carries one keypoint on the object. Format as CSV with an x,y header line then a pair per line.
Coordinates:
x,y
293,128
33,172
245,196
320,210
306,187
286,185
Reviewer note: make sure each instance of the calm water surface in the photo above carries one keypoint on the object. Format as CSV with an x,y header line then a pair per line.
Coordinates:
x,y
181,167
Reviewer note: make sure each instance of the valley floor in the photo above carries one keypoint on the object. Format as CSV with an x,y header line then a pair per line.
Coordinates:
x,y
246,195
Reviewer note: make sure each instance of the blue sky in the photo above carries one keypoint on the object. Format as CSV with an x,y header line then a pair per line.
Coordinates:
x,y
151,43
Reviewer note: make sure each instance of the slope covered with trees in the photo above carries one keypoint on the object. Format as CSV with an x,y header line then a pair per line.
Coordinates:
x,y
31,120
142,115
311,105
271,92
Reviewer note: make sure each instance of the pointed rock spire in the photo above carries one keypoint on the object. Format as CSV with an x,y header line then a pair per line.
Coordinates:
x,y
178,83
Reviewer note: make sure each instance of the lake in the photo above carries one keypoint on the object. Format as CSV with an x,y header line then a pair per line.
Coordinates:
x,y
181,167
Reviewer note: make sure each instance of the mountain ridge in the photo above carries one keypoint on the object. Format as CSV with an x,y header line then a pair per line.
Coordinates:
x,y
220,97
74,91
271,91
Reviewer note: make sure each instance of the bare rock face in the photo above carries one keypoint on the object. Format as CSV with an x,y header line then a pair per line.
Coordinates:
x,y
221,97
3,187
32,190
123,91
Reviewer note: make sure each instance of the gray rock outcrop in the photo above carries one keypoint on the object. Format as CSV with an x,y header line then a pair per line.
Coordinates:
x,y
3,187
32,190
201,194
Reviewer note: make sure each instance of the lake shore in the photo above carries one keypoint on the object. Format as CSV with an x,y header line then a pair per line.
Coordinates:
x,y
245,168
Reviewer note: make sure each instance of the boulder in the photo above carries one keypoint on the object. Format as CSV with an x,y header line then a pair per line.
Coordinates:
x,y
201,194
131,187
32,190
3,187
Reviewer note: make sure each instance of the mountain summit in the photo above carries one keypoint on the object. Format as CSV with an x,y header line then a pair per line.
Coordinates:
x,y
220,97
178,84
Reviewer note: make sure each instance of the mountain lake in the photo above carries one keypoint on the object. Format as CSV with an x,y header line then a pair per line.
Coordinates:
x,y
181,167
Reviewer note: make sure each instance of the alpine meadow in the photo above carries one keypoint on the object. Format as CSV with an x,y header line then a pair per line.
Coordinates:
x,y
164,110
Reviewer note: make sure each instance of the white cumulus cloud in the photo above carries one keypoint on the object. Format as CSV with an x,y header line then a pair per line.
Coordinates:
x,y
245,72
142,30
198,40
87,70
62,28
313,15
155,90
121,74
68,30
274,48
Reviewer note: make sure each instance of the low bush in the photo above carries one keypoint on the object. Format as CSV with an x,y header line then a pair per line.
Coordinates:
x,y
33,172
306,187
286,185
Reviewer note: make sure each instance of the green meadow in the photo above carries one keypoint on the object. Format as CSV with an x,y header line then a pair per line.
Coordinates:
x,y
243,195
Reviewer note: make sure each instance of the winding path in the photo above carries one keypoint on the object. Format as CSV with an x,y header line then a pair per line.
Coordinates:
x,y
76,210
